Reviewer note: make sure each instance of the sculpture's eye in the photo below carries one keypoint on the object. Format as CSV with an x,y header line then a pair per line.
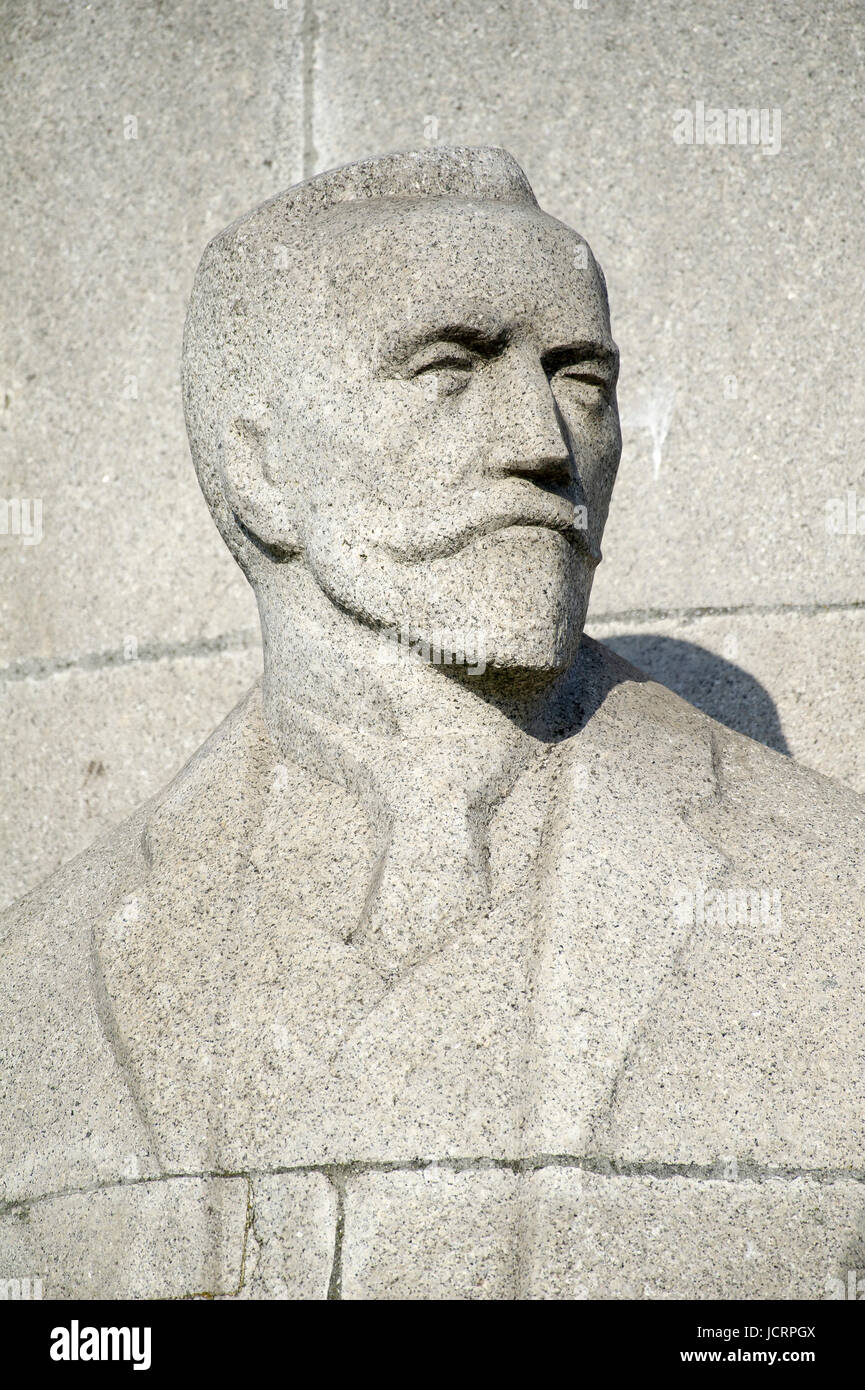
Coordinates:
x,y
586,377
446,373
584,390
584,373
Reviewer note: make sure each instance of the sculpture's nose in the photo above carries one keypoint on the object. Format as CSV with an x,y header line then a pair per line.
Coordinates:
x,y
531,436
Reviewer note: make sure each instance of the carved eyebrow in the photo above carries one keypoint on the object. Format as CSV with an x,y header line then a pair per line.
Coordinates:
x,y
487,341
571,354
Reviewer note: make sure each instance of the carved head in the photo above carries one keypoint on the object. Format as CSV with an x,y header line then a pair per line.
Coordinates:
x,y
401,375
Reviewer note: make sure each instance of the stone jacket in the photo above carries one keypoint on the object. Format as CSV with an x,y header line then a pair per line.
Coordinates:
x,y
638,1072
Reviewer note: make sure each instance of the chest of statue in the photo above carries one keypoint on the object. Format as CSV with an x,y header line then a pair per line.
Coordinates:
x,y
582,1090
529,1111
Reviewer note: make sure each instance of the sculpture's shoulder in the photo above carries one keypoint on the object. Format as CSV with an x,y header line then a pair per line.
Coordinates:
x,y
219,787
71,1113
743,872
66,1117
746,784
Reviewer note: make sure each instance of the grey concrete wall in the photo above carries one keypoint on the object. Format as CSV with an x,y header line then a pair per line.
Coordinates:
x,y
134,132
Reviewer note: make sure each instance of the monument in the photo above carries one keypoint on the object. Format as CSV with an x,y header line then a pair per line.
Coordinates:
x,y
462,961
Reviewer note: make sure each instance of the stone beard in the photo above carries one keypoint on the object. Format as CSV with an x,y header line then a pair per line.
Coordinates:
x,y
407,985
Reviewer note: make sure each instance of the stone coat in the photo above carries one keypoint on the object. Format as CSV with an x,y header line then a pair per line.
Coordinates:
x,y
638,1072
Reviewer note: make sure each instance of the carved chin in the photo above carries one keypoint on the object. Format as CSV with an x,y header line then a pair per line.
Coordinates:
x,y
519,594
534,587
530,589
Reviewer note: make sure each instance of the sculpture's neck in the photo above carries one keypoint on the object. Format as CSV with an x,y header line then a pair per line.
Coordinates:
x,y
323,667
428,758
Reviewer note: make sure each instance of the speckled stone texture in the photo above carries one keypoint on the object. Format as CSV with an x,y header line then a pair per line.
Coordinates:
x,y
463,960
136,131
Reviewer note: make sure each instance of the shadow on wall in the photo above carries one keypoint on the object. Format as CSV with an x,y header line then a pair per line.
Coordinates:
x,y
710,682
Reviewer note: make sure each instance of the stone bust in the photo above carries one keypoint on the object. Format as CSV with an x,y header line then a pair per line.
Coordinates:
x,y
462,961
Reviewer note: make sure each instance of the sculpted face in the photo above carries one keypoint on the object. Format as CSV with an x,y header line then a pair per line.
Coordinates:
x,y
445,448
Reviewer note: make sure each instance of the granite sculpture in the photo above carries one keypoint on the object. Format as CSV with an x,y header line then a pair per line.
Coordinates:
x,y
462,961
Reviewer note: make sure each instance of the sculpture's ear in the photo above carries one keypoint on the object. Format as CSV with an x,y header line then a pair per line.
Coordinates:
x,y
255,485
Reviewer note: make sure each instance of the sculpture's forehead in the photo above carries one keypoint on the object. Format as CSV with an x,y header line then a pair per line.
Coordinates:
x,y
434,259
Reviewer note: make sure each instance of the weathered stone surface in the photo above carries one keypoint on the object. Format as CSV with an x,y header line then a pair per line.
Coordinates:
x,y
177,1238
769,676
647,1237
610,1001
434,1234
134,132
475,1232
566,1233
794,681
736,433
455,883
90,745
292,1237
735,436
